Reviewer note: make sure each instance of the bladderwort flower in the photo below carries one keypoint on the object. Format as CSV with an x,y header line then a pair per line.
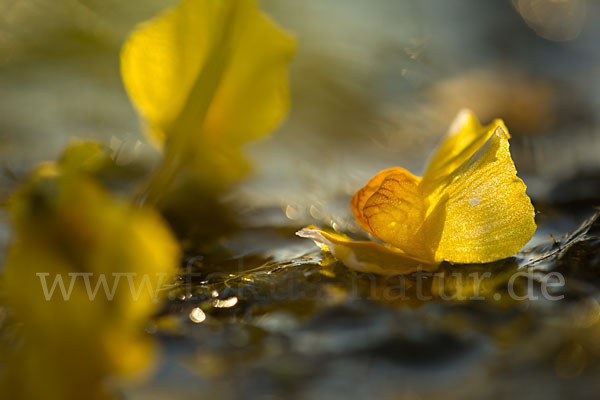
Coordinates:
x,y
207,76
469,207
81,278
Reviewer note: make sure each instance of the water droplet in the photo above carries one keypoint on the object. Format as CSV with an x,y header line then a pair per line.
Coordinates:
x,y
197,315
226,303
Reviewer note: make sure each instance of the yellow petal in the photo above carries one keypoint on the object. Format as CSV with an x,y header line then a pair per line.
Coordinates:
x,y
479,212
87,157
207,76
209,72
162,61
68,227
253,96
360,197
464,138
392,208
470,207
365,256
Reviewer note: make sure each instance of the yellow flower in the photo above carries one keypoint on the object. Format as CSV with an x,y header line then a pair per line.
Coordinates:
x,y
469,207
82,277
207,76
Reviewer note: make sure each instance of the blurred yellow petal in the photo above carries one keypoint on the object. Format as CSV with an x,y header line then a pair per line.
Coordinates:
x,y
480,212
207,77
253,96
82,276
84,157
365,256
162,60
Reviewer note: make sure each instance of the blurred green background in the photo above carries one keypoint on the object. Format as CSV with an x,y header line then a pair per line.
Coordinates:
x,y
374,84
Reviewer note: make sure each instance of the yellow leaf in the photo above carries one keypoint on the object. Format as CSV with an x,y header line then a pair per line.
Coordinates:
x,y
207,77
469,207
68,228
